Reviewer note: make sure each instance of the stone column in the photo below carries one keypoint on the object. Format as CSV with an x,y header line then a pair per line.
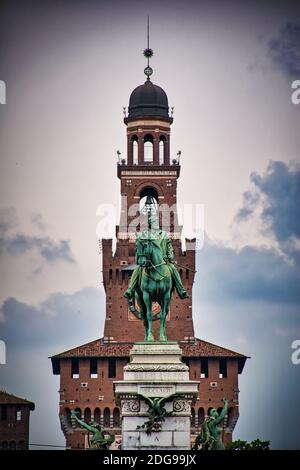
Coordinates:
x,y
129,150
156,371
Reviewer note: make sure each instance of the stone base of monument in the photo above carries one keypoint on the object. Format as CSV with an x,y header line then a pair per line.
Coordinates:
x,y
156,379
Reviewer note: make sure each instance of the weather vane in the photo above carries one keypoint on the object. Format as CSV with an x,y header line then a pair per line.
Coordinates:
x,y
148,53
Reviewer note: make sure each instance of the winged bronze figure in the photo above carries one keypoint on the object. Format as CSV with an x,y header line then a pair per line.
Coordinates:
x,y
156,412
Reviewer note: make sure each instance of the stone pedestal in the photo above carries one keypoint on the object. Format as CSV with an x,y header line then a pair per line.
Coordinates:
x,y
156,370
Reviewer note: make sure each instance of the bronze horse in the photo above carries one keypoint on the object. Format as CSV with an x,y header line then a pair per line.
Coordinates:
x,y
155,285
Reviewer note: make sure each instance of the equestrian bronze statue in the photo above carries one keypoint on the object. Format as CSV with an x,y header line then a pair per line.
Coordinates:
x,y
154,278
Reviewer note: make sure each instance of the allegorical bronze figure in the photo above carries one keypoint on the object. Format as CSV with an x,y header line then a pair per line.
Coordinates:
x,y
210,437
98,441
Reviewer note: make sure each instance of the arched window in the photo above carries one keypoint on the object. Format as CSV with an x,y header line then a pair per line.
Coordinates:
x,y
161,149
201,416
12,445
97,415
148,148
67,414
4,445
87,415
208,411
106,418
193,417
147,195
116,418
135,151
78,412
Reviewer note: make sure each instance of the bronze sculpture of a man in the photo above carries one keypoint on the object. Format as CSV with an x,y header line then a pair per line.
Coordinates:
x,y
160,237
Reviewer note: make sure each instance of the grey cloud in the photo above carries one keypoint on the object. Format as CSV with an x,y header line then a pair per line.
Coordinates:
x,y
249,274
15,243
280,188
38,221
57,320
8,219
50,250
284,50
250,201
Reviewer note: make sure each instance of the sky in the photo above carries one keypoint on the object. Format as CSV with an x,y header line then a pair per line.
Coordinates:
x,y
227,68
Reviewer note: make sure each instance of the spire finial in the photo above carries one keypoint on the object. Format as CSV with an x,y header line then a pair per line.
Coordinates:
x,y
148,53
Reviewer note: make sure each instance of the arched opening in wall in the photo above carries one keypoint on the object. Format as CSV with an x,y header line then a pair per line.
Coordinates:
x,y
135,149
4,445
87,415
116,418
148,148
12,445
209,410
78,412
193,421
230,417
67,415
219,410
21,445
162,146
148,205
201,416
110,275
97,415
106,418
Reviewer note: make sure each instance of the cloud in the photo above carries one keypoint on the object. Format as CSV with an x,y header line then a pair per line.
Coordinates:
x,y
49,250
8,220
251,273
38,221
17,243
277,195
32,334
250,202
285,49
59,319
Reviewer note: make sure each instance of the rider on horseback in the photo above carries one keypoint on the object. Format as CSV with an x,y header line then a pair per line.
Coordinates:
x,y
160,237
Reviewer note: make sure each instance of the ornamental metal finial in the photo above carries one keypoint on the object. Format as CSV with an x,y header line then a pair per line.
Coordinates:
x,y
148,53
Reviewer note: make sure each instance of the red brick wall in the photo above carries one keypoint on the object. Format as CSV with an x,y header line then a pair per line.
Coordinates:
x,y
13,431
209,396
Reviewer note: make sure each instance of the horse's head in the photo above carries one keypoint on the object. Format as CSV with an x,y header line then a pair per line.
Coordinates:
x,y
143,252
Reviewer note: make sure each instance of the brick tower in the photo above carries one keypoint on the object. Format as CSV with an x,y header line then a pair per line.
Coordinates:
x,y
14,421
87,372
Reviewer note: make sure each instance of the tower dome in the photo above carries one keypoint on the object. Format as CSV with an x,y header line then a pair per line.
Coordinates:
x,y
148,100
